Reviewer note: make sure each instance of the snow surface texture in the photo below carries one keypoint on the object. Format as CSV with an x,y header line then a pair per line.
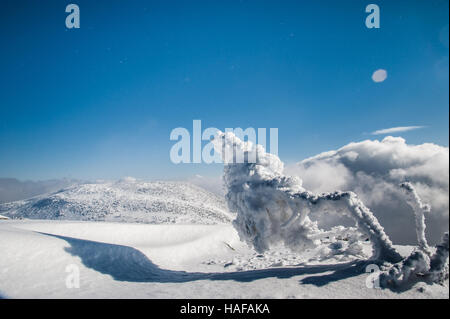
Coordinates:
x,y
129,260
273,208
373,169
127,200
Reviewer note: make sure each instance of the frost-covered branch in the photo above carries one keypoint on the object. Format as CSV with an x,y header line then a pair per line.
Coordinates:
x,y
420,209
419,266
416,264
421,263
349,204
439,261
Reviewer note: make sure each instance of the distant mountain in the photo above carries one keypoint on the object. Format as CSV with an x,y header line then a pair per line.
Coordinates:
x,y
12,189
125,201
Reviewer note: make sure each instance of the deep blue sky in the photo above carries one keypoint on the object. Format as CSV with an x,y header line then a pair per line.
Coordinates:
x,y
100,101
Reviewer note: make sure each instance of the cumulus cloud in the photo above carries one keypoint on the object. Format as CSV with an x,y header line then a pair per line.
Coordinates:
x,y
396,130
373,169
379,75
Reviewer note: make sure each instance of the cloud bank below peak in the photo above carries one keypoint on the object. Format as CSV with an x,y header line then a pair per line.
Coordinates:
x,y
373,169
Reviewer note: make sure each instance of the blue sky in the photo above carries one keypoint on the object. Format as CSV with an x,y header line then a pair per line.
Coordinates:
x,y
100,101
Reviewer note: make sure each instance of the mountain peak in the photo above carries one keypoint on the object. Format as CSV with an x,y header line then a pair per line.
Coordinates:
x,y
126,200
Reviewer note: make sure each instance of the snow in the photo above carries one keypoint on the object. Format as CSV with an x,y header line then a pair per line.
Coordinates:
x,y
273,208
123,260
422,263
420,210
127,200
134,239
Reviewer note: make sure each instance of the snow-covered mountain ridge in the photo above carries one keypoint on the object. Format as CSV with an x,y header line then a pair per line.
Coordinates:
x,y
126,200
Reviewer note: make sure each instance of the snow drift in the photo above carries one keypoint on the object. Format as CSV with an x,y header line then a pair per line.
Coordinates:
x,y
123,260
273,208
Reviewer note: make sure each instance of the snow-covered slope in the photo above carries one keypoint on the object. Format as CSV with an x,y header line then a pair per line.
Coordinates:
x,y
125,201
123,260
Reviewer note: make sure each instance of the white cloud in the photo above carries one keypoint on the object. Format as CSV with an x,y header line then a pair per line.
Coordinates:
x,y
396,130
379,75
373,169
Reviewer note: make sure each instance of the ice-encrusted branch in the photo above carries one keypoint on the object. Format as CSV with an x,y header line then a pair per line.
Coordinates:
x,y
349,204
420,263
420,209
439,261
274,208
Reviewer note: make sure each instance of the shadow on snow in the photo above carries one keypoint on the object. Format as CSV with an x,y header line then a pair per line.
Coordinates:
x,y
125,263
